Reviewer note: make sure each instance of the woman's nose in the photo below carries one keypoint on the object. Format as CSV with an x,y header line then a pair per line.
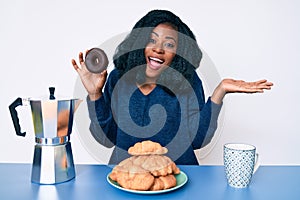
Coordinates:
x,y
158,48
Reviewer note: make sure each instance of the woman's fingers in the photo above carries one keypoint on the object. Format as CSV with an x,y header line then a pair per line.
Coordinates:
x,y
261,81
81,58
264,84
75,64
81,62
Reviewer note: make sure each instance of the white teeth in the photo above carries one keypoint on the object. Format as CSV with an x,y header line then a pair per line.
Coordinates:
x,y
156,59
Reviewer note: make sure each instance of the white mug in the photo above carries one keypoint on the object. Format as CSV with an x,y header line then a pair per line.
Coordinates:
x,y
241,162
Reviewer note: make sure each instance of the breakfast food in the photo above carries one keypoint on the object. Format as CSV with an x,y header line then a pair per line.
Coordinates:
x,y
147,147
147,169
96,60
164,182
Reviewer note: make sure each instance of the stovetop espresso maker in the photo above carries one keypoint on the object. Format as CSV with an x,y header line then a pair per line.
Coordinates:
x,y
52,121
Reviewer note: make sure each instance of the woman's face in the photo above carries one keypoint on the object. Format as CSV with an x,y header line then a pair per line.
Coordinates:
x,y
160,50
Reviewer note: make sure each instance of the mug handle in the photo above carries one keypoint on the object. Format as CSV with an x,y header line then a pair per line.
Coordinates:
x,y
257,163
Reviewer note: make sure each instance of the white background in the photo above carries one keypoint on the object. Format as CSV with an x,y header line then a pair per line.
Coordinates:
x,y
246,40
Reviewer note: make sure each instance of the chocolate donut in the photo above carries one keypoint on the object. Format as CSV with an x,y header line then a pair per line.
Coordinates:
x,y
96,60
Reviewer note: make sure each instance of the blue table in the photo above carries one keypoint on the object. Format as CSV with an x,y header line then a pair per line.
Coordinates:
x,y
205,182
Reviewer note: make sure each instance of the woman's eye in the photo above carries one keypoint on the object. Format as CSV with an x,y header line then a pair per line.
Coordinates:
x,y
151,41
169,45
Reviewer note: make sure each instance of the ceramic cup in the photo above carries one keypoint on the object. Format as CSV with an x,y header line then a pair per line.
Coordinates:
x,y
240,162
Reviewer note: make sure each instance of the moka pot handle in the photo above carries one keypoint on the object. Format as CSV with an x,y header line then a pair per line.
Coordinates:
x,y
14,116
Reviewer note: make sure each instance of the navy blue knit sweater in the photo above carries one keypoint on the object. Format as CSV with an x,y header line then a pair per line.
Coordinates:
x,y
124,115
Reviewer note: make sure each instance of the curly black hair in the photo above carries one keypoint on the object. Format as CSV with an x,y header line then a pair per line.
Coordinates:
x,y
130,52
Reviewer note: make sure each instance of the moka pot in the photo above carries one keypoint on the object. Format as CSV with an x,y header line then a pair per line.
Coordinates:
x,y
52,121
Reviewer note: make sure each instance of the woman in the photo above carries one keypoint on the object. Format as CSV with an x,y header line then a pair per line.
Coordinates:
x,y
154,92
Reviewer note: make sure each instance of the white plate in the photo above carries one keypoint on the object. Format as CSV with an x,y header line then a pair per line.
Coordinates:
x,y
181,179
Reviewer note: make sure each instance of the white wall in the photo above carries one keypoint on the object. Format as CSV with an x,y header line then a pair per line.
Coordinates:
x,y
246,40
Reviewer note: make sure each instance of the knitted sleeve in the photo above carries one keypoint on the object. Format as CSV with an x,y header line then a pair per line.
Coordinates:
x,y
103,126
203,116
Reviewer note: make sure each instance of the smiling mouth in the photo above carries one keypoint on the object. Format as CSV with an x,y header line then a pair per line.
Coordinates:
x,y
155,63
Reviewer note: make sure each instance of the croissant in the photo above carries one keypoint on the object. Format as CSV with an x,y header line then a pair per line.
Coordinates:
x,y
147,147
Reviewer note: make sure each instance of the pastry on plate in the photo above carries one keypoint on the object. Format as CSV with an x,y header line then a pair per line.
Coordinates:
x,y
147,147
146,169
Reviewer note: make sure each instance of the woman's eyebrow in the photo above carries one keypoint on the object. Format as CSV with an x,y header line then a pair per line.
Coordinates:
x,y
155,33
171,38
167,37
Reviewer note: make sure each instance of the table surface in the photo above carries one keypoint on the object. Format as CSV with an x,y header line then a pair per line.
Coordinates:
x,y
204,182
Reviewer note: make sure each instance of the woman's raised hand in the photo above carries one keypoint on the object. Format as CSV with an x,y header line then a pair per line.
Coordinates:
x,y
239,86
92,82
232,86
